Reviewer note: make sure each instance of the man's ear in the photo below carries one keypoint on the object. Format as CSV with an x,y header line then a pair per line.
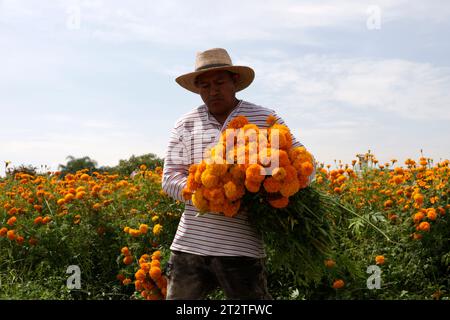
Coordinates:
x,y
236,77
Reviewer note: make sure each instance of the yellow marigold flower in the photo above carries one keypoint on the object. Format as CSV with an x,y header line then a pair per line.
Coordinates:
x,y
338,284
379,260
199,201
61,202
157,228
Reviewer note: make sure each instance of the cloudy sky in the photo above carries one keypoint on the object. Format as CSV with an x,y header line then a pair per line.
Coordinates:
x,y
96,78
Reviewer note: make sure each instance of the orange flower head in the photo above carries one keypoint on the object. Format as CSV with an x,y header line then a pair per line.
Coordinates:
x,y
238,122
155,273
279,203
330,263
271,185
271,120
11,221
338,284
255,173
379,260
424,226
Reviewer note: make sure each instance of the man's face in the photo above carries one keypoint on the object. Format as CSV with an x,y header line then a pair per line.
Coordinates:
x,y
218,91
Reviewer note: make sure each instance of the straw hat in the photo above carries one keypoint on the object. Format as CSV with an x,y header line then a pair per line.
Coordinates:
x,y
215,59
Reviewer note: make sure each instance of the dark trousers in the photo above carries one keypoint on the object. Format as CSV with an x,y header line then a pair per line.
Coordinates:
x,y
193,277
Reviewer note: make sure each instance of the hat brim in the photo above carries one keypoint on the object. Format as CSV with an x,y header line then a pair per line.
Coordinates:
x,y
247,75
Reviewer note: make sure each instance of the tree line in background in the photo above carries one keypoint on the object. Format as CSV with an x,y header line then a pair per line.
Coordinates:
x,y
125,167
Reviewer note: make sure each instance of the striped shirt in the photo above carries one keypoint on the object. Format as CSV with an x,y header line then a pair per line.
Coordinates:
x,y
209,234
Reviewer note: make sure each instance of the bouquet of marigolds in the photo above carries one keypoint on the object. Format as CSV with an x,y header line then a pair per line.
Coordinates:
x,y
258,171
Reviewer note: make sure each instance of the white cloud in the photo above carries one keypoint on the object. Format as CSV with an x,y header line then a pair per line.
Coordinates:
x,y
407,89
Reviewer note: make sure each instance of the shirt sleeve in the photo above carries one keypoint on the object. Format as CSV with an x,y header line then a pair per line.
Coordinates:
x,y
296,143
176,167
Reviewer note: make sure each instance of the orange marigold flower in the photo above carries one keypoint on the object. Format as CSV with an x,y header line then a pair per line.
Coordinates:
x,y
431,214
84,177
230,209
139,275
126,281
379,260
418,217
37,220
125,251
155,273
156,255
61,201
279,174
143,228
271,120
252,186
238,122
418,198
289,188
11,221
209,180
271,185
11,235
3,232
338,284
69,197
46,220
128,260
330,263
32,241
279,203
424,226
20,240
255,173
307,169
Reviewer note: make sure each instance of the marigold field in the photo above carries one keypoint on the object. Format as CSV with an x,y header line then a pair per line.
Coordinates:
x,y
118,230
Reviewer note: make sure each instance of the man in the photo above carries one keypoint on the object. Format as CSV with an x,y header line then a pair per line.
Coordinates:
x,y
212,250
